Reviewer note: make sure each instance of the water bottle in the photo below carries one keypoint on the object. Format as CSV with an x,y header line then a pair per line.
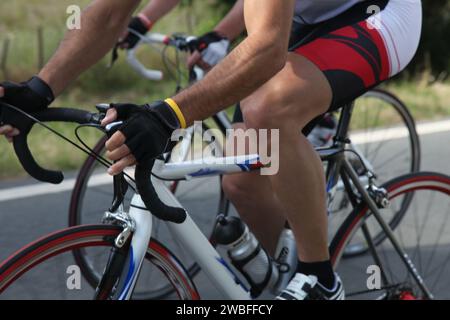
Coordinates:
x,y
286,259
246,254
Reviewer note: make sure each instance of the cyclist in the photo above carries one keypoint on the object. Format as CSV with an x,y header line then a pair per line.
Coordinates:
x,y
352,47
214,45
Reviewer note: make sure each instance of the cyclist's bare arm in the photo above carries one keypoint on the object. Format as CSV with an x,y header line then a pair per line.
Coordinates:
x,y
156,9
258,58
233,24
101,24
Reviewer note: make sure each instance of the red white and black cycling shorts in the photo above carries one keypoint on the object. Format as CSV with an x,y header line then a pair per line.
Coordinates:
x,y
362,47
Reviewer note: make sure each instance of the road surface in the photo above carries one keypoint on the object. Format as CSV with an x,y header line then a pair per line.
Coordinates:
x,y
28,211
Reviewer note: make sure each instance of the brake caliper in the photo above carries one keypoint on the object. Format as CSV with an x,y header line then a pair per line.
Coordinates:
x,y
125,221
380,196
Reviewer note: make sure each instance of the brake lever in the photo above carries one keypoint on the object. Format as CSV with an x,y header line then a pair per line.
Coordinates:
x,y
184,43
120,185
114,55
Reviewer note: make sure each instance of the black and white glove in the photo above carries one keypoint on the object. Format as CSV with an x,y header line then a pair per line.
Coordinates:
x,y
213,47
137,26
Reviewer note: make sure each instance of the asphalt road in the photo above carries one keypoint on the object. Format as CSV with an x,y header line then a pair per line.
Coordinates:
x,y
25,215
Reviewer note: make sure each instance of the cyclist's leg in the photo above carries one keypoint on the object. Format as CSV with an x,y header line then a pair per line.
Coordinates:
x,y
353,56
254,198
259,205
288,102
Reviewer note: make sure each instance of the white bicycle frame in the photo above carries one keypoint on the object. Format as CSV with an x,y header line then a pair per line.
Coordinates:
x,y
187,233
221,275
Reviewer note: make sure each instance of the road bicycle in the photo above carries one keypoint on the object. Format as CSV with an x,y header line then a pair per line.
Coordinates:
x,y
412,261
381,125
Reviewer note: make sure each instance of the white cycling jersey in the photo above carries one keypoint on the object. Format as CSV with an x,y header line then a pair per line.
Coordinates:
x,y
315,11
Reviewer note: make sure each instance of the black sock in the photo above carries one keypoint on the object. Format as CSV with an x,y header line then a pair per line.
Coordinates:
x,y
322,270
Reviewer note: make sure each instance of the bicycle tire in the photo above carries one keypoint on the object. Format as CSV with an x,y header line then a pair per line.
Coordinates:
x,y
75,219
93,236
423,181
414,140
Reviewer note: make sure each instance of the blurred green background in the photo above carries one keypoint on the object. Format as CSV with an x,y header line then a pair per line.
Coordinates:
x,y
28,25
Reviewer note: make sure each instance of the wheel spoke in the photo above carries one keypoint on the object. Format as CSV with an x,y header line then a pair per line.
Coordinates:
x,y
423,235
440,234
391,158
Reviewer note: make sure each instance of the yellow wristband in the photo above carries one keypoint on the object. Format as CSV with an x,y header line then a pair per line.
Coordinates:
x,y
177,111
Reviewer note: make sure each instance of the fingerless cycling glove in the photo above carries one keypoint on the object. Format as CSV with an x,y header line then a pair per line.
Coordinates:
x,y
147,128
213,47
30,96
138,26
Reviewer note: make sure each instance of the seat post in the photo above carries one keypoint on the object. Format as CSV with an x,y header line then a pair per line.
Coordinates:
x,y
344,122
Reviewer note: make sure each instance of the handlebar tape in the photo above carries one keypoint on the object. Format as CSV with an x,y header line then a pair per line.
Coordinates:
x,y
22,149
150,197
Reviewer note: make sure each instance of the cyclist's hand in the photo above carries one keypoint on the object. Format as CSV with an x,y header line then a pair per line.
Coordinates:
x,y
196,59
139,25
212,48
8,131
110,117
31,96
144,135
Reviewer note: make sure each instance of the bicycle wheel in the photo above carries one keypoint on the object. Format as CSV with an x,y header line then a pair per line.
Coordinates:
x,y
93,192
384,132
40,270
424,234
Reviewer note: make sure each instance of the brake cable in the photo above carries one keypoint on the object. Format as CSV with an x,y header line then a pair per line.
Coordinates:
x,y
85,148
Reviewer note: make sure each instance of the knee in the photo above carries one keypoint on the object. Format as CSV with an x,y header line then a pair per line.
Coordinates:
x,y
236,188
282,103
267,108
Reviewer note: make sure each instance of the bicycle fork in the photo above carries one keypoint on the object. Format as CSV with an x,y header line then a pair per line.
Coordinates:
x,y
126,257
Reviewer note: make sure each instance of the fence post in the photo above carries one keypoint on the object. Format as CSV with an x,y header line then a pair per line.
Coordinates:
x,y
4,61
40,39
190,18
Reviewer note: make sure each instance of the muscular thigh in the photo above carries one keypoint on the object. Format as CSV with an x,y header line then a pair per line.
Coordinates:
x,y
296,95
336,61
